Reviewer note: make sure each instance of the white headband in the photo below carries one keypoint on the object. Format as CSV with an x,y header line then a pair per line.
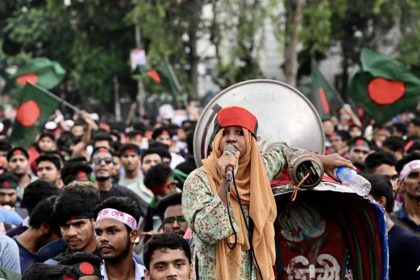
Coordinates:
x,y
117,215
415,164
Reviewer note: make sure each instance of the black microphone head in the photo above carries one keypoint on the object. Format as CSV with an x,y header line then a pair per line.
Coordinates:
x,y
230,149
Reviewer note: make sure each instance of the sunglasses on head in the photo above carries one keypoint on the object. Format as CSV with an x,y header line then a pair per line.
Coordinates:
x,y
98,160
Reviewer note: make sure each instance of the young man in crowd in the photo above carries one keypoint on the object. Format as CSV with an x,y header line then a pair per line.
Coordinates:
x,y
74,210
42,229
164,136
404,246
103,166
18,165
359,150
116,233
48,168
167,256
170,208
130,160
408,170
149,158
383,163
8,194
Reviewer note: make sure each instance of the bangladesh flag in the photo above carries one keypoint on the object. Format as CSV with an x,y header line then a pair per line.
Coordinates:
x,y
384,87
36,105
323,96
41,71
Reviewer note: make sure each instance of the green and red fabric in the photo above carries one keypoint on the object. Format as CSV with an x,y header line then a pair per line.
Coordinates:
x,y
40,71
384,87
36,105
235,116
323,96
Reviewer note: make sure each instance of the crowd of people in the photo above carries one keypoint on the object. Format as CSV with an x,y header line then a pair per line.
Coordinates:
x,y
105,200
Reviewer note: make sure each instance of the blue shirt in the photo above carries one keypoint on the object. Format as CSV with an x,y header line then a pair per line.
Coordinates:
x,y
27,258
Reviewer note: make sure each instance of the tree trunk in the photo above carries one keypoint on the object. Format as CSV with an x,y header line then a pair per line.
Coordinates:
x,y
293,19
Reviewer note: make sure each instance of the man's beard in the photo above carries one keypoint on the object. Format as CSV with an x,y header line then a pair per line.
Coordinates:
x,y
117,259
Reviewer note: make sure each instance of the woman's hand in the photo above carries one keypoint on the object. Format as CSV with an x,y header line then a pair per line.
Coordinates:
x,y
227,159
332,161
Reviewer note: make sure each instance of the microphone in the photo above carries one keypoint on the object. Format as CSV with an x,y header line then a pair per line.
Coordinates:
x,y
229,169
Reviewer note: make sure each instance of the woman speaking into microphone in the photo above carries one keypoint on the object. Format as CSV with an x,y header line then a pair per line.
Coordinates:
x,y
232,222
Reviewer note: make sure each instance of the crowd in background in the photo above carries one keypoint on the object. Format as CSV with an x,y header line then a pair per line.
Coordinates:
x,y
55,195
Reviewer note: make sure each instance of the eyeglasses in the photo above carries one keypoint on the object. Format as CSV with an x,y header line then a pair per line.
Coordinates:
x,y
171,220
98,160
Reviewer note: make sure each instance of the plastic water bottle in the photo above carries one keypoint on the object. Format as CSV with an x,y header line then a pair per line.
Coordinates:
x,y
350,178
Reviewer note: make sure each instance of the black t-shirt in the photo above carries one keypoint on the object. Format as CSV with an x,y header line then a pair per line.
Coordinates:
x,y
123,192
404,254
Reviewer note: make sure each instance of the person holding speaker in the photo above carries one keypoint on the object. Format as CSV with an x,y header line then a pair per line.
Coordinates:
x,y
228,202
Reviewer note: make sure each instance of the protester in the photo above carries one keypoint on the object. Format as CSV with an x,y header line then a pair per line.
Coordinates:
x,y
8,194
170,209
9,254
18,165
74,211
103,167
42,229
48,167
167,256
116,232
149,158
130,159
359,150
394,145
223,247
408,169
404,246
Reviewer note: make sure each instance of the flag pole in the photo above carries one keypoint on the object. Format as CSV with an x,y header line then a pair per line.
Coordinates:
x,y
64,102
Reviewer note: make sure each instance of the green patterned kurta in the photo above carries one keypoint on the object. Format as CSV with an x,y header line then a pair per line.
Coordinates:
x,y
207,214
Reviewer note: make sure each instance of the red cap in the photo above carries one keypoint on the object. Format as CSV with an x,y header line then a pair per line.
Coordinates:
x,y
237,116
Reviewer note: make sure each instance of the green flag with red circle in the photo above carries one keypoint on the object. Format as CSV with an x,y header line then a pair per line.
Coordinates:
x,y
384,87
323,96
36,105
40,71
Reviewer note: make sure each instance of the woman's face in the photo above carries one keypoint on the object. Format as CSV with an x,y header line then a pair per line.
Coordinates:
x,y
233,135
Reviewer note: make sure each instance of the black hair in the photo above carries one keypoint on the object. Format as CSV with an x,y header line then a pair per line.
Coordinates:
x,y
158,131
77,200
5,146
415,121
400,127
157,176
46,272
71,169
406,159
190,142
65,139
168,240
123,204
11,179
171,200
54,159
11,152
381,186
132,134
102,136
378,158
47,134
157,148
344,135
43,213
357,139
394,143
37,191
129,146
